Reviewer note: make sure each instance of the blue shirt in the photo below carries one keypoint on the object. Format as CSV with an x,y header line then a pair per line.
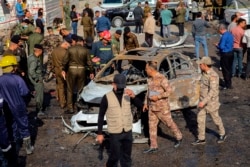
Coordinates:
x,y
103,24
105,53
226,42
12,89
19,10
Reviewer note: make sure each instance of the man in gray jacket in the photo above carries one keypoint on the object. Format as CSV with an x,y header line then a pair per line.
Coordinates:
x,y
138,15
199,34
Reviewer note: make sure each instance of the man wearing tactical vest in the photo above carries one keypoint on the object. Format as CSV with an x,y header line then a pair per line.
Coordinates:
x,y
117,107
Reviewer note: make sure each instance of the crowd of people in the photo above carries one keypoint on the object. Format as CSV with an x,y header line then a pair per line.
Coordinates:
x,y
74,60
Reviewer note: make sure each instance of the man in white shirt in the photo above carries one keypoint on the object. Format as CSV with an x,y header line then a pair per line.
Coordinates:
x,y
246,39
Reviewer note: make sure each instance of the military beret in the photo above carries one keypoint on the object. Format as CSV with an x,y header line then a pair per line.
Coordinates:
x,y
74,37
26,21
15,39
119,32
68,39
38,46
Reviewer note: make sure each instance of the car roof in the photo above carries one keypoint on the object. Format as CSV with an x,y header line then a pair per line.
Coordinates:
x,y
146,54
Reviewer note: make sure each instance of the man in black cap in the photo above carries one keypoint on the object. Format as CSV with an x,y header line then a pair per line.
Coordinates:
x,y
12,50
13,46
74,39
117,107
88,43
115,42
35,75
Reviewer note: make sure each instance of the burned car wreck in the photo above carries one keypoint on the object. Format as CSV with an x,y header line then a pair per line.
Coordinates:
x,y
178,68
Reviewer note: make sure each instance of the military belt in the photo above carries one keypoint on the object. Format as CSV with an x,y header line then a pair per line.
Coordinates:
x,y
76,67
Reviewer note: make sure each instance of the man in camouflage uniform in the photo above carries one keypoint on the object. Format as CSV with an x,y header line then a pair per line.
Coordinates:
x,y
157,104
209,101
25,28
115,42
66,9
50,42
35,76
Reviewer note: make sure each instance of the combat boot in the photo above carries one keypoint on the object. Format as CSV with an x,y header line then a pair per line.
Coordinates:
x,y
28,147
11,156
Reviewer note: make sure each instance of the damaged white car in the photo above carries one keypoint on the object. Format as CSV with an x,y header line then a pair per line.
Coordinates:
x,y
178,68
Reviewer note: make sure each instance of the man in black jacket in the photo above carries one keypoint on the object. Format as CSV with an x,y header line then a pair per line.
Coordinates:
x,y
138,15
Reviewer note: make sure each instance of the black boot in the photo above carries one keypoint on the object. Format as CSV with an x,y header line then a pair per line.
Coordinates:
x,y
11,157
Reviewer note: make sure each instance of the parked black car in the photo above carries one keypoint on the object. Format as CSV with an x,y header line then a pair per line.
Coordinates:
x,y
122,15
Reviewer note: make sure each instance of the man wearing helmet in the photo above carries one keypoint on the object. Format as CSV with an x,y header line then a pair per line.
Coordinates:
x,y
13,89
102,50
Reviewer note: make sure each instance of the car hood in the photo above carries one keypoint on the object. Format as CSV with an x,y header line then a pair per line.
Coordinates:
x,y
93,92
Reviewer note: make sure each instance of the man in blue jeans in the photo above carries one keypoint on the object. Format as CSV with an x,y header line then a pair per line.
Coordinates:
x,y
199,34
166,16
238,33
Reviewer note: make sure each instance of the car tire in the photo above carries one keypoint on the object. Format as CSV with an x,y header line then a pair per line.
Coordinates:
x,y
117,21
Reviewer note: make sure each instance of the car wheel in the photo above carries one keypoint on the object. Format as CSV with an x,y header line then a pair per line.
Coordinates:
x,y
117,21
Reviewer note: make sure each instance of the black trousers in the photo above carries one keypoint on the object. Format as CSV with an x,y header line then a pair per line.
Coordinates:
x,y
138,24
149,39
181,28
248,63
194,15
120,149
226,62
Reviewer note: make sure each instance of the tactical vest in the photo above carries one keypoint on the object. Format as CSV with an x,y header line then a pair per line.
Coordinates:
x,y
118,117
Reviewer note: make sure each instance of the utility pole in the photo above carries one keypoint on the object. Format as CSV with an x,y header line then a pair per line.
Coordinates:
x,y
61,4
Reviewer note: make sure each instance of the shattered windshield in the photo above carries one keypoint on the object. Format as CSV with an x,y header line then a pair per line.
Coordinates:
x,y
134,70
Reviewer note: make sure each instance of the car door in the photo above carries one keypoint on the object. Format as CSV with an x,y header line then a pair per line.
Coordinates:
x,y
183,79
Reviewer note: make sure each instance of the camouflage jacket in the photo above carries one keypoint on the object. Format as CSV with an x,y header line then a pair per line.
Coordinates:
x,y
24,31
50,42
159,86
209,92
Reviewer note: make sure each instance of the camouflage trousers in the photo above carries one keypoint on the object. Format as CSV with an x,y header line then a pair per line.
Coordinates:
x,y
166,118
49,66
201,119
